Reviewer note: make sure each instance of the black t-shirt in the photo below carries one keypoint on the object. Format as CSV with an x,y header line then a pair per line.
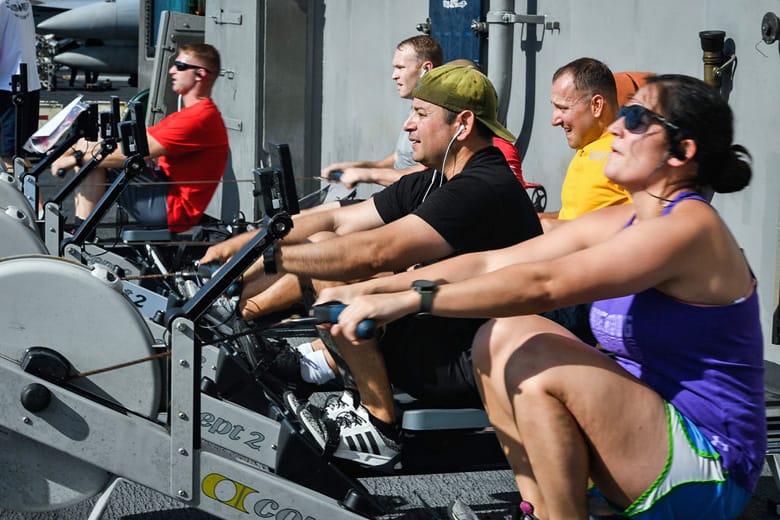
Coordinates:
x,y
483,207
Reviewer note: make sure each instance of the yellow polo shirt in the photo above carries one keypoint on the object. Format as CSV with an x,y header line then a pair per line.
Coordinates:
x,y
585,187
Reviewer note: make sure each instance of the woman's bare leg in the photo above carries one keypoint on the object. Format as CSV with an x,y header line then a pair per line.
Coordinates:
x,y
566,412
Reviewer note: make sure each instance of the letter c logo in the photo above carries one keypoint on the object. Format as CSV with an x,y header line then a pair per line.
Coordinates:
x,y
240,491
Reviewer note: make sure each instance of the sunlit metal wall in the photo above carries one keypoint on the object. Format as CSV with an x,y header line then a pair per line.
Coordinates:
x,y
361,114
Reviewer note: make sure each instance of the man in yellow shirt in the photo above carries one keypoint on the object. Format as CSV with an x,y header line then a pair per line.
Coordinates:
x,y
584,99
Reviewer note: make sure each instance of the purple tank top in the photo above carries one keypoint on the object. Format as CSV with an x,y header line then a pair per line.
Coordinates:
x,y
708,361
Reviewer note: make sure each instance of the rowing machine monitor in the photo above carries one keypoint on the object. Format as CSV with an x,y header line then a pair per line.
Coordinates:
x,y
275,186
88,124
132,133
110,119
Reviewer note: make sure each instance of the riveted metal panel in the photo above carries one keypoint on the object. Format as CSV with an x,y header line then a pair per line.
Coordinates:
x,y
451,26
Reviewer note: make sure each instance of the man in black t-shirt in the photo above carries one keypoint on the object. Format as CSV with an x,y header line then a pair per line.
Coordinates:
x,y
467,200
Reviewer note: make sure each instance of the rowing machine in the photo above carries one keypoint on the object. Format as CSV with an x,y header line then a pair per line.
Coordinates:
x,y
68,429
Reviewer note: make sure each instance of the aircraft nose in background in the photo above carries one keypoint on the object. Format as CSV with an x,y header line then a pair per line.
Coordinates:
x,y
100,20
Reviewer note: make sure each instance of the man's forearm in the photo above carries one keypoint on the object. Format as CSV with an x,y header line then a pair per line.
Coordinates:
x,y
339,259
314,260
115,159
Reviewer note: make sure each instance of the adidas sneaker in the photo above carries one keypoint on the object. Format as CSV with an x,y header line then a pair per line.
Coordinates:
x,y
345,424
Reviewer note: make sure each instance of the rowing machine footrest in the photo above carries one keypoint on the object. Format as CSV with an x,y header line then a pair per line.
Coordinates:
x,y
445,419
146,235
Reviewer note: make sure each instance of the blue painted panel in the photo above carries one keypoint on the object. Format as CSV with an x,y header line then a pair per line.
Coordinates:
x,y
178,6
451,26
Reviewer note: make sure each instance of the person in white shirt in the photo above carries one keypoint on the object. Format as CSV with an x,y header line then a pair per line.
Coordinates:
x,y
17,41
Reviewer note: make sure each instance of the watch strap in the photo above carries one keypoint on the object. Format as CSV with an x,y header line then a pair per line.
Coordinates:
x,y
269,259
426,302
426,290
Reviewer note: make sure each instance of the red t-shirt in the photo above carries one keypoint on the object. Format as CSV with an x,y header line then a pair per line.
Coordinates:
x,y
511,156
196,150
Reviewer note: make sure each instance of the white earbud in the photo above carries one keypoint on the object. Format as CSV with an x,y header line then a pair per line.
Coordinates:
x,y
424,71
460,129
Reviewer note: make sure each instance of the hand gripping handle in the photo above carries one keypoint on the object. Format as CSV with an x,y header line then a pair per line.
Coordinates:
x,y
329,313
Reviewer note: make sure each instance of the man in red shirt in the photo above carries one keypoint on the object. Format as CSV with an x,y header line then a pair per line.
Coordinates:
x,y
188,153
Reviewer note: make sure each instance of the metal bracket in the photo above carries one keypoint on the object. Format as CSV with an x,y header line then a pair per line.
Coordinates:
x,y
233,124
30,190
728,63
184,417
53,226
425,27
224,18
509,17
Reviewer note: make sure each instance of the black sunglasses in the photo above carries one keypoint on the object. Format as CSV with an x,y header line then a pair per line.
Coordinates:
x,y
180,66
638,119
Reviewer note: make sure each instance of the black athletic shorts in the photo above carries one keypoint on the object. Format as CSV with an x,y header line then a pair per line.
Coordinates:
x,y
145,198
429,358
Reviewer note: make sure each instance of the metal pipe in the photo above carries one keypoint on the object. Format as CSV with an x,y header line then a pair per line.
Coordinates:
x,y
501,30
712,56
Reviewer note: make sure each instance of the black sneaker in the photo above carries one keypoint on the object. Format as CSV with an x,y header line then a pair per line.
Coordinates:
x,y
282,359
346,424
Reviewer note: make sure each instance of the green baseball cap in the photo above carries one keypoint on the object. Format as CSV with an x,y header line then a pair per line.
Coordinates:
x,y
459,88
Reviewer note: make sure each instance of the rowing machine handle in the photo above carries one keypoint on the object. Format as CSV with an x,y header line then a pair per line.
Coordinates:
x,y
329,313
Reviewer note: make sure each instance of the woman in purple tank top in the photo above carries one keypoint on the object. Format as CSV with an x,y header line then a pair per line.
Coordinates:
x,y
669,421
